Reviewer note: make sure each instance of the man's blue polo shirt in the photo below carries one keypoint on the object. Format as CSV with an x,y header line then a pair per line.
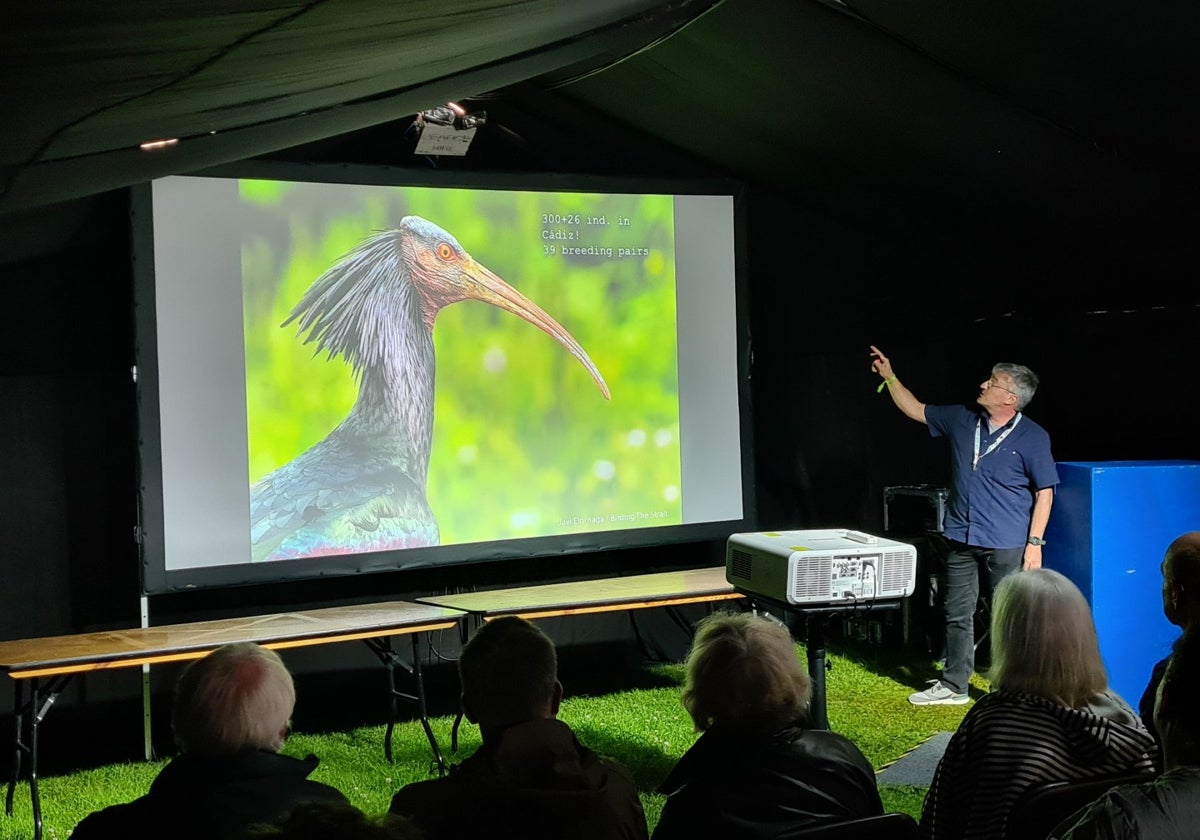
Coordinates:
x,y
990,506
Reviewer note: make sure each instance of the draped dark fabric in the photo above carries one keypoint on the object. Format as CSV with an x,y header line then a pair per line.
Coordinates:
x,y
85,84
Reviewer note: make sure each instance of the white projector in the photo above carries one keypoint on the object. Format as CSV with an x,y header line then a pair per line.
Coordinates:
x,y
830,566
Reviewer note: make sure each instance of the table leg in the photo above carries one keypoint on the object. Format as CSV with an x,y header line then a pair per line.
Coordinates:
x,y
423,708
35,718
19,746
387,655
383,649
28,716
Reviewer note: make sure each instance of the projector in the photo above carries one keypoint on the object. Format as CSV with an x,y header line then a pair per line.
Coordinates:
x,y
830,566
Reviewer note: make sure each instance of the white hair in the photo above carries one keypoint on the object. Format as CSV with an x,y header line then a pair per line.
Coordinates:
x,y
237,698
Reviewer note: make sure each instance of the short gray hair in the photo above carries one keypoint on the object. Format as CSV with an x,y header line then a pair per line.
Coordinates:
x,y
1025,381
238,697
1044,639
743,672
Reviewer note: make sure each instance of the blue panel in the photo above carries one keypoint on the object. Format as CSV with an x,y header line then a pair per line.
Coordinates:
x,y
1069,532
1111,523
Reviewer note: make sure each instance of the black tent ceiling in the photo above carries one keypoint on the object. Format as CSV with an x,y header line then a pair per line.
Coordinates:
x,y
955,111
86,83
963,118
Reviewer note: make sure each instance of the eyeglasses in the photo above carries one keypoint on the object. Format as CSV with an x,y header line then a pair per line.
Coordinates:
x,y
992,383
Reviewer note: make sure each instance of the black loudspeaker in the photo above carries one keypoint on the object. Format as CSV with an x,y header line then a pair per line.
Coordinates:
x,y
915,514
914,508
925,614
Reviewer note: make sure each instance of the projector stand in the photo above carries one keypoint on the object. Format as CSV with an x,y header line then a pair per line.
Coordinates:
x,y
814,644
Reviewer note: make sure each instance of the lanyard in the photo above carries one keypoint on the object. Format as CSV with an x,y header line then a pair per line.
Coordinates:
x,y
995,443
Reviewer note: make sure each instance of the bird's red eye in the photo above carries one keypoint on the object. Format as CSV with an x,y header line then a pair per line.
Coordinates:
x,y
444,251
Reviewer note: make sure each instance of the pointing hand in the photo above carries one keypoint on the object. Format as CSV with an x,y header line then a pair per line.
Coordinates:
x,y
880,363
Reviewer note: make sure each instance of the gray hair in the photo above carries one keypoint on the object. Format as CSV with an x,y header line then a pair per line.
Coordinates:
x,y
1025,381
1044,639
239,697
743,672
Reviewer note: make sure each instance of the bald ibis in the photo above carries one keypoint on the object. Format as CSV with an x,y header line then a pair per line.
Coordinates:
x,y
363,487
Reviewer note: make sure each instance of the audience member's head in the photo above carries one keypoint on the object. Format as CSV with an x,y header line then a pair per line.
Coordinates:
x,y
1177,708
1181,580
335,821
509,674
239,697
743,673
1044,639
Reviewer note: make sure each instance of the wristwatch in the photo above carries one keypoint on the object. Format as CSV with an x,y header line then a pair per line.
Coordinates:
x,y
1036,541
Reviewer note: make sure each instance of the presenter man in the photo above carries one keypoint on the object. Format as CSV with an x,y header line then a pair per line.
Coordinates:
x,y
1002,479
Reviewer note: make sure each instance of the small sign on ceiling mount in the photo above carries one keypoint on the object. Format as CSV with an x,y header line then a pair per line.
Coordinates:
x,y
444,140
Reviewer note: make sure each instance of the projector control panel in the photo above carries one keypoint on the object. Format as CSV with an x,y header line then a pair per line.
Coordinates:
x,y
853,577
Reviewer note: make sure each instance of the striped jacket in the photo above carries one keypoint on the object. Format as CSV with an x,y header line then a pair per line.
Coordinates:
x,y
1009,742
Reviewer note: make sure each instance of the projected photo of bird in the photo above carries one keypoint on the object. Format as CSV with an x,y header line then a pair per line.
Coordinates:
x,y
363,486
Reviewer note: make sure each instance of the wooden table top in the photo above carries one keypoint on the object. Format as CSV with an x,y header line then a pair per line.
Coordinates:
x,y
589,596
23,658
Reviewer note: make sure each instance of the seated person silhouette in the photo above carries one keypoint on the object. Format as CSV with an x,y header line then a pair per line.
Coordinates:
x,y
758,769
1050,717
1168,807
230,716
333,820
1181,606
531,778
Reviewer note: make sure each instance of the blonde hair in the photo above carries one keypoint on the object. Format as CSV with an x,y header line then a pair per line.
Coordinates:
x,y
1044,639
239,697
743,672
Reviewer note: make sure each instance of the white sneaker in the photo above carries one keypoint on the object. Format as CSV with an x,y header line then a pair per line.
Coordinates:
x,y
938,695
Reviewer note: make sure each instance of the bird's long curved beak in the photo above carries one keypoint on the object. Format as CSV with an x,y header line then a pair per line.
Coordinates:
x,y
489,288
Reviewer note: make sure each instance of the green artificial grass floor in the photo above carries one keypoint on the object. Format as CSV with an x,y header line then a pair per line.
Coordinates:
x,y
644,727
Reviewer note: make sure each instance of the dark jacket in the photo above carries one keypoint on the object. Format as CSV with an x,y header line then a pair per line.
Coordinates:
x,y
533,781
736,785
1146,708
1166,808
214,798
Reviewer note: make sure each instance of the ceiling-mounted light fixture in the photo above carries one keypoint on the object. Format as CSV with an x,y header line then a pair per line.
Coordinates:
x,y
447,129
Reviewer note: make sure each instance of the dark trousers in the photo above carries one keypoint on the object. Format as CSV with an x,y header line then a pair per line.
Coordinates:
x,y
965,564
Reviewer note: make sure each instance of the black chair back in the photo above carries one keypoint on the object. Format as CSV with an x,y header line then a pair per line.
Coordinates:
x,y
1043,807
893,826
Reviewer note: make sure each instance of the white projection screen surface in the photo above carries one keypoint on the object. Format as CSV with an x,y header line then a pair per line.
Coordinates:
x,y
357,373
